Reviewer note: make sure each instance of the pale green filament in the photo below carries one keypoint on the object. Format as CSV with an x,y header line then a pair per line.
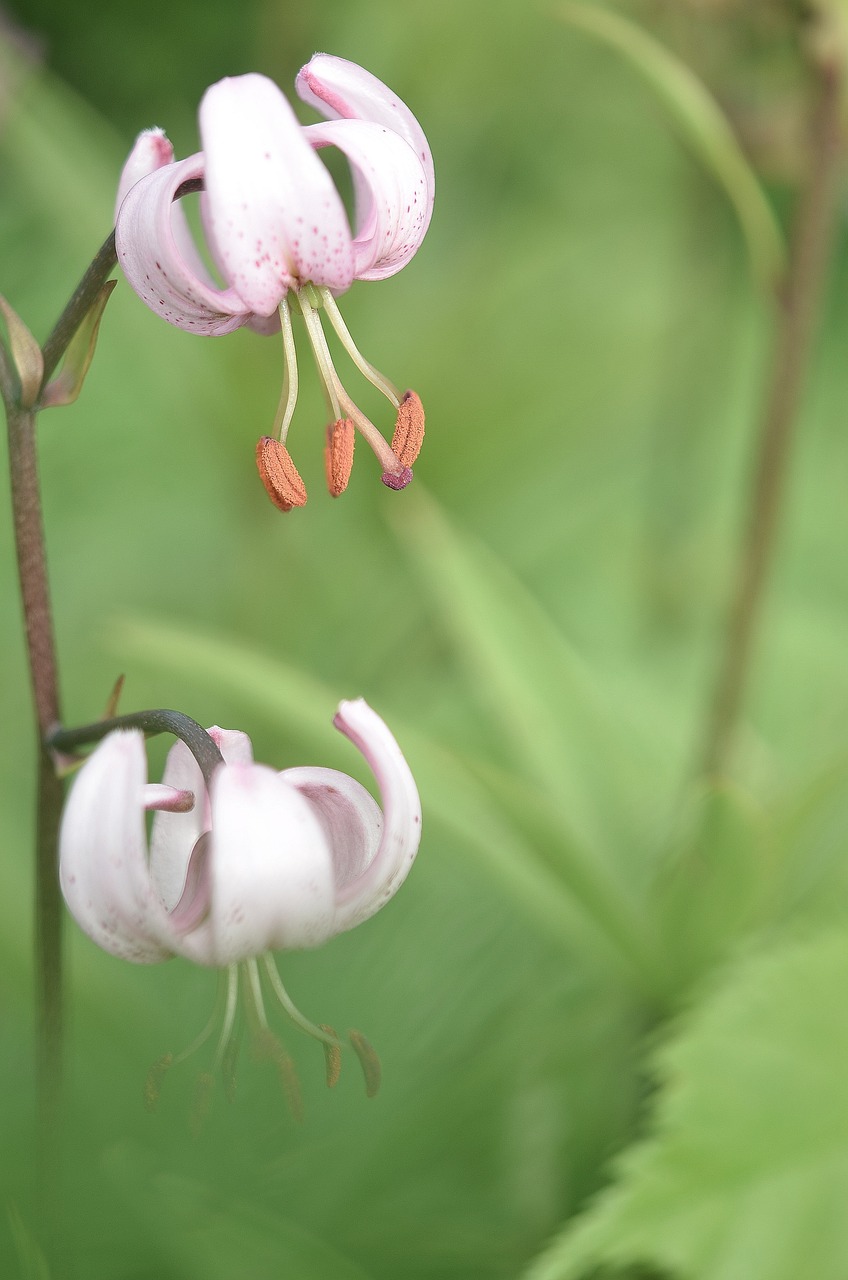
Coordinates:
x,y
290,1008
288,399
204,1035
377,379
336,394
255,988
229,1016
323,359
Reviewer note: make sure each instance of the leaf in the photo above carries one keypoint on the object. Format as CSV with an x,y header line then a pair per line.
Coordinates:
x,y
747,1173
66,386
702,124
26,355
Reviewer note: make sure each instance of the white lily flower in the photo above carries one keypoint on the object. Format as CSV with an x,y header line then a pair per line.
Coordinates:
x,y
256,861
262,861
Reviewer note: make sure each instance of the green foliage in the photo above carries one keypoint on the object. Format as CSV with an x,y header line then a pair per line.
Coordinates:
x,y
746,1171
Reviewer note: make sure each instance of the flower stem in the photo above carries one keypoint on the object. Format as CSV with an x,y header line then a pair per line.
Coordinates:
x,y
41,654
158,720
38,626
799,305
80,304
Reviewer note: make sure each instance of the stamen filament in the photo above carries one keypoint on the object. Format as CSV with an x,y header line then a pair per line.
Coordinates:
x,y
338,397
204,1035
291,1009
255,987
323,359
288,398
229,1015
365,367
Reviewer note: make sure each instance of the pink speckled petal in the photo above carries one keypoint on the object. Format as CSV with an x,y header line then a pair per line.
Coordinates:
x,y
361,897
392,208
270,867
271,214
103,854
341,90
165,274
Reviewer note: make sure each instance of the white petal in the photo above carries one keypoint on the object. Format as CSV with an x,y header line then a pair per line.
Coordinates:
x,y
271,213
341,90
157,256
271,872
102,859
349,815
173,835
360,898
392,208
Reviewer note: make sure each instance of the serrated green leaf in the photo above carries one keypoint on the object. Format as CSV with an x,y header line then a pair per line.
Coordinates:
x,y
702,124
747,1173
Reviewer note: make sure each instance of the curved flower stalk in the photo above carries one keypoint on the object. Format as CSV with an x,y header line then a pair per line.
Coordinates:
x,y
256,861
276,228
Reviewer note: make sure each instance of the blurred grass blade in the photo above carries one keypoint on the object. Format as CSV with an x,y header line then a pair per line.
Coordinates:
x,y
569,906
702,124
525,676
542,698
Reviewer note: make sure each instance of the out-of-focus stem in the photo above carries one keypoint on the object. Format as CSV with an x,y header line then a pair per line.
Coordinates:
x,y
799,304
38,625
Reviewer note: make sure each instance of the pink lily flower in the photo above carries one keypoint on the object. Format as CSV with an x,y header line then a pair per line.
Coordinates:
x,y
276,229
258,861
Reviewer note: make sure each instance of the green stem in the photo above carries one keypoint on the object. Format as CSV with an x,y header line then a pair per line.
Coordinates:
x,y
80,304
800,304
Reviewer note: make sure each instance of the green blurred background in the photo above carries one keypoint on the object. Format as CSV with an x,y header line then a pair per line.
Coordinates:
x,y
583,330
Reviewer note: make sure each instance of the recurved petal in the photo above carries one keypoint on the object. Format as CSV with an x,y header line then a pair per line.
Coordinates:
x,y
103,854
271,873
151,151
271,213
159,260
343,90
349,815
392,205
361,897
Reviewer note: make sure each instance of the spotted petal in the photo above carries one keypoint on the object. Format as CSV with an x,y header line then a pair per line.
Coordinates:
x,y
172,283
103,853
270,211
341,90
392,206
